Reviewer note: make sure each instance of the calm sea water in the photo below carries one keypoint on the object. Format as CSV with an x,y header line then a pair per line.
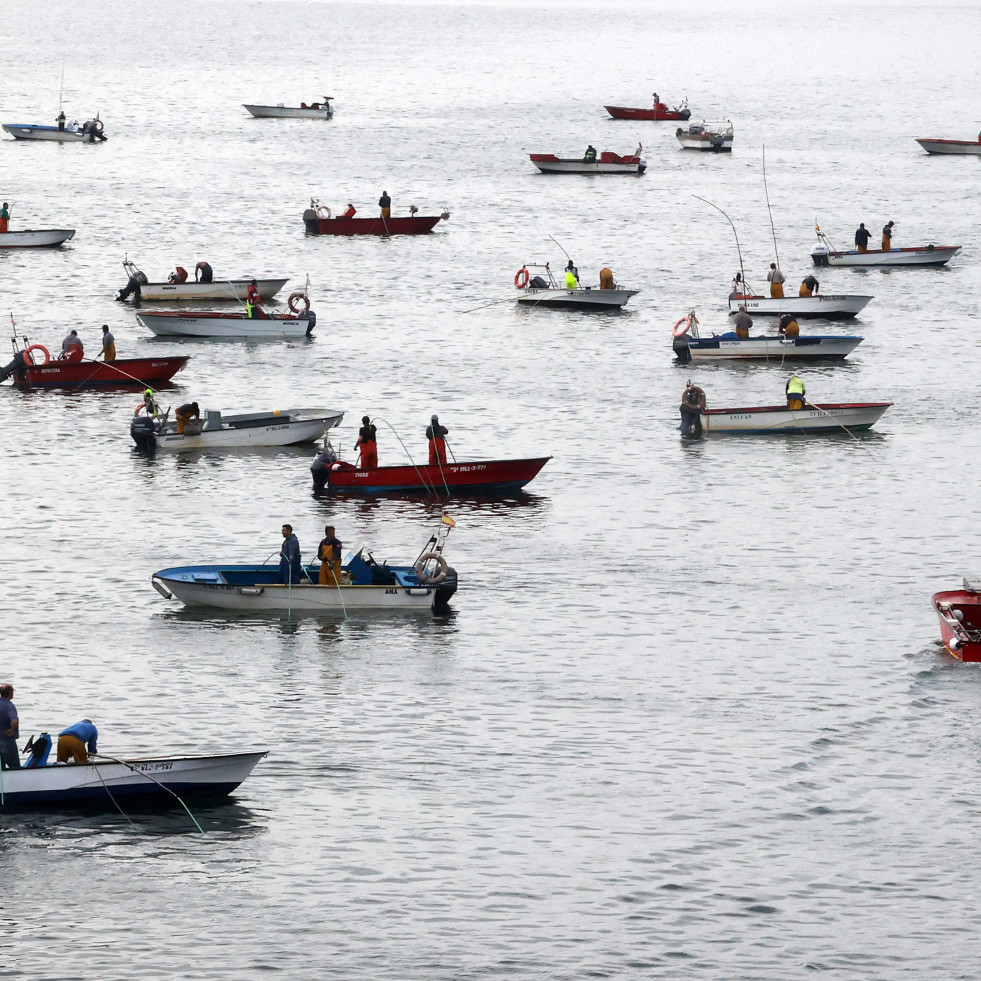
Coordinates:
x,y
688,717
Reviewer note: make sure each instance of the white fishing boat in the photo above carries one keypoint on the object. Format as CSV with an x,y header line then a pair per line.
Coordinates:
x,y
767,419
831,306
91,131
174,323
366,585
715,138
605,163
139,286
105,780
544,291
217,430
36,238
970,148
691,346
316,110
825,254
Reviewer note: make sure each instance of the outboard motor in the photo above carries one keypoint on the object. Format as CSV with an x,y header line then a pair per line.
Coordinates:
x,y
446,589
685,113
311,319
310,221
820,254
681,349
17,367
537,283
39,747
691,423
143,432
132,286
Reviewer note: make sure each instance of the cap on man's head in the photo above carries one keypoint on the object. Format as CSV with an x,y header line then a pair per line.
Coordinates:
x,y
435,418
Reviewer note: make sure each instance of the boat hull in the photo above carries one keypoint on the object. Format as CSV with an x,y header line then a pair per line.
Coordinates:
x,y
172,323
121,373
961,637
699,137
950,147
27,131
40,239
485,476
288,112
268,431
923,255
228,289
763,420
728,347
383,227
648,115
582,299
547,163
99,782
829,307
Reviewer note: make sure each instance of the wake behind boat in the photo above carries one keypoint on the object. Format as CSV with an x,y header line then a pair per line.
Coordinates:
x,y
970,148
543,290
824,254
217,430
180,287
316,110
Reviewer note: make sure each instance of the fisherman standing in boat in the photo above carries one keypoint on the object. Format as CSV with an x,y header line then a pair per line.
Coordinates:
x,y
367,444
289,557
385,203
590,155
808,287
71,348
203,273
4,217
571,276
788,326
108,344
436,434
606,279
9,729
61,121
862,236
887,236
329,554
776,280
742,322
252,306
795,393
77,741
185,413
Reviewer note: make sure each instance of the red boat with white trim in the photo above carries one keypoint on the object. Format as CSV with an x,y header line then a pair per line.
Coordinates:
x,y
86,373
658,113
317,220
959,611
971,148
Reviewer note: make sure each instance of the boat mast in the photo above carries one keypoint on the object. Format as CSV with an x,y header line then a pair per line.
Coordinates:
x,y
769,211
61,91
742,271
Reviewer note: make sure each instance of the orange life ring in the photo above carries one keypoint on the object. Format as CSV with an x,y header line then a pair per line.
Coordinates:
x,y
521,278
136,411
37,347
687,322
321,208
294,302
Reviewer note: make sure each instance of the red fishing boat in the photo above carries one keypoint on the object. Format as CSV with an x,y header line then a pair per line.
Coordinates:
x,y
658,113
85,373
959,611
478,477
318,221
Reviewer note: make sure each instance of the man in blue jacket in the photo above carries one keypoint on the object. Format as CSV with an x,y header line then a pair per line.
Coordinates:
x,y
77,741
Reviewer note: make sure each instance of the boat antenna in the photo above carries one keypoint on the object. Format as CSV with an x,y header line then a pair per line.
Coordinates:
x,y
733,227
61,91
566,254
769,210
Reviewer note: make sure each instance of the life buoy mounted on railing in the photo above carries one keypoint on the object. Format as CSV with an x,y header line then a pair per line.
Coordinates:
x,y
521,278
426,578
29,356
295,300
323,211
97,125
689,320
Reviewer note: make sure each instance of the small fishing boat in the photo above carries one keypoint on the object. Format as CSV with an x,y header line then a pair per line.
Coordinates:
x,y
824,254
217,430
36,238
317,220
962,147
716,138
959,611
606,163
690,346
470,477
657,113
175,323
91,131
316,110
367,585
121,373
544,291
105,780
831,306
768,419
139,286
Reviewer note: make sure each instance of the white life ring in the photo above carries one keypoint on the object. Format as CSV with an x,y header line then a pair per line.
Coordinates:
x,y
294,302
421,573
321,208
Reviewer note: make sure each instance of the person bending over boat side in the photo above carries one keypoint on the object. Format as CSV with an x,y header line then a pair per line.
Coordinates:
x,y
77,741
809,286
862,236
692,403
4,217
178,276
289,557
606,279
742,322
203,273
436,434
385,203
776,280
368,444
887,236
108,344
185,413
590,155
329,554
71,348
9,729
795,393
788,326
350,211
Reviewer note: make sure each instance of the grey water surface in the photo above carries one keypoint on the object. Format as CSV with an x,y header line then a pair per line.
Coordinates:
x,y
688,716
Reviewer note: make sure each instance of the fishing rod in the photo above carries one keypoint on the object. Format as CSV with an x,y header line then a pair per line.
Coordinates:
x,y
742,271
566,254
769,210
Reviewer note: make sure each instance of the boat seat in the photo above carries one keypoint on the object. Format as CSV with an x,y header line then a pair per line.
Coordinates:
x,y
212,419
